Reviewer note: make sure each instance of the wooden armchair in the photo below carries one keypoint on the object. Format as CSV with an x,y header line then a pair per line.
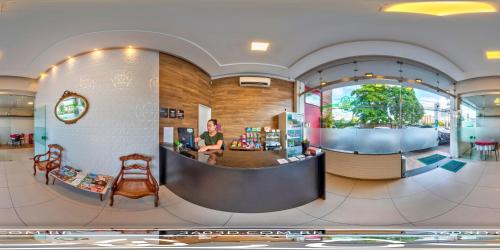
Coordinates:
x,y
135,180
52,161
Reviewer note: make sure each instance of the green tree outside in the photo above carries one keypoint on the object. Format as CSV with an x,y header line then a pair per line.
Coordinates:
x,y
379,105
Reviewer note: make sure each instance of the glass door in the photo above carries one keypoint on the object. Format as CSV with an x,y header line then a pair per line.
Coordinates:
x,y
40,131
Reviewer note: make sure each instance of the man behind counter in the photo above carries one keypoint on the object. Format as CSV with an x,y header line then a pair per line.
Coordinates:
x,y
212,138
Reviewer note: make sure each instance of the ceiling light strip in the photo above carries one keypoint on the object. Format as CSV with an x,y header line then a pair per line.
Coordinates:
x,y
441,8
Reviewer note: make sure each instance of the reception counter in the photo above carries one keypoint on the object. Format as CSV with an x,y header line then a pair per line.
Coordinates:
x,y
243,182
364,166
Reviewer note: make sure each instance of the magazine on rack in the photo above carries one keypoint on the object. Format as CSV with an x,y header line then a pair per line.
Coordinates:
x,y
87,181
95,183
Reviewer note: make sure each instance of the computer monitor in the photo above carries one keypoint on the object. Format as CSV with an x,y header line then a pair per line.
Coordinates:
x,y
186,137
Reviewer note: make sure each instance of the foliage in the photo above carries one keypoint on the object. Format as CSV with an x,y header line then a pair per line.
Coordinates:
x,y
327,120
412,110
344,123
371,104
379,104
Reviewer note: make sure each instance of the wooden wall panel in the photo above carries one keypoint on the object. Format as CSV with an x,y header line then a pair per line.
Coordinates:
x,y
238,107
182,86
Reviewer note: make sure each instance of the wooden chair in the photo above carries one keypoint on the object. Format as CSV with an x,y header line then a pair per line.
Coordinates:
x,y
51,162
135,180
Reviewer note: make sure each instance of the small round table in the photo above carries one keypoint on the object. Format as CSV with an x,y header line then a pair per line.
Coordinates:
x,y
485,147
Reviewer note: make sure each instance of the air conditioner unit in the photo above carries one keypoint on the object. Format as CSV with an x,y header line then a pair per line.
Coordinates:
x,y
255,82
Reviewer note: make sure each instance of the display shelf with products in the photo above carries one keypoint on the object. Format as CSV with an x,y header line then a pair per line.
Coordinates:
x,y
249,141
272,139
292,126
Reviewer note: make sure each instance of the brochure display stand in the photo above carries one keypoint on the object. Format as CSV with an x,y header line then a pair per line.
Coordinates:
x,y
90,182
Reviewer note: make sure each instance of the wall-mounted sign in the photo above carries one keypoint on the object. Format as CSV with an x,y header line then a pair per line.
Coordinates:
x,y
163,112
71,107
172,113
180,114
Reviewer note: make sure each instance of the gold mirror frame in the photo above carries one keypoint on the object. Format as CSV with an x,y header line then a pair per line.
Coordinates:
x,y
65,95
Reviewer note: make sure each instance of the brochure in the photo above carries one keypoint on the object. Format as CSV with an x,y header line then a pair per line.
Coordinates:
x,y
282,161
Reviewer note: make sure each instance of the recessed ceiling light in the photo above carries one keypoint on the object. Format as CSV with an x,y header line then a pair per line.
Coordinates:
x,y
259,46
30,103
493,54
418,80
369,74
442,8
497,101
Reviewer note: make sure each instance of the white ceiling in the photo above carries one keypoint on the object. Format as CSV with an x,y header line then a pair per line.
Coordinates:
x,y
483,101
215,34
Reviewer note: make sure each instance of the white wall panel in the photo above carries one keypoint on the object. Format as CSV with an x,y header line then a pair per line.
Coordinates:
x,y
122,90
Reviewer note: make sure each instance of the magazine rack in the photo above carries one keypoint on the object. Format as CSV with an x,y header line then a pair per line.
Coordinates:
x,y
51,162
135,180
90,182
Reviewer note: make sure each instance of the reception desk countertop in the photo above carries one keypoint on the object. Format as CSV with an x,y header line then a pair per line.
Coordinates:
x,y
237,159
242,181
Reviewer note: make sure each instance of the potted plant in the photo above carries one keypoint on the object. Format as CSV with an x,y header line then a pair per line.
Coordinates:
x,y
305,145
177,145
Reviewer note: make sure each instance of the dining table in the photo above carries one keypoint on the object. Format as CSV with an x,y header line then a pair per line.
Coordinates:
x,y
485,147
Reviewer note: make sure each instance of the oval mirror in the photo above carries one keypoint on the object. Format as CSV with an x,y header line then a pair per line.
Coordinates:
x,y
71,107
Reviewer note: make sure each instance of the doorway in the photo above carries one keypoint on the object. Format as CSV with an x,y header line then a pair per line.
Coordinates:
x,y
204,114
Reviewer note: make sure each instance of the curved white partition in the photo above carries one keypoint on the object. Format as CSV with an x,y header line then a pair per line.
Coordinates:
x,y
367,167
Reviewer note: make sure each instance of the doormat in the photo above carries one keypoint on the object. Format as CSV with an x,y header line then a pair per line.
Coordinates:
x,y
453,166
419,170
431,159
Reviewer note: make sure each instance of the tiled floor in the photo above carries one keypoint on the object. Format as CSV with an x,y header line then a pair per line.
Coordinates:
x,y
469,198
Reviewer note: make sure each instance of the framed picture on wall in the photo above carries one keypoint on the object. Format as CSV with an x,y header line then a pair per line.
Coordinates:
x,y
313,99
180,114
163,112
172,113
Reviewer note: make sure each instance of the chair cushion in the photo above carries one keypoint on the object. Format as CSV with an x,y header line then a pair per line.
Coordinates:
x,y
135,188
42,165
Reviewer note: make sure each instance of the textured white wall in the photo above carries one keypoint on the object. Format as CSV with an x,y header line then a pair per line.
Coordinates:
x,y
121,87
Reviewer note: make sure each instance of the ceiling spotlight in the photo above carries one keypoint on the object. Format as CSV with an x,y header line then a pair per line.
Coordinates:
x,y
497,101
259,46
418,80
369,74
441,8
30,103
493,54
323,83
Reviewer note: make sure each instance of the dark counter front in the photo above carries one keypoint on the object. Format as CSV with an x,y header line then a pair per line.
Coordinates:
x,y
243,182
